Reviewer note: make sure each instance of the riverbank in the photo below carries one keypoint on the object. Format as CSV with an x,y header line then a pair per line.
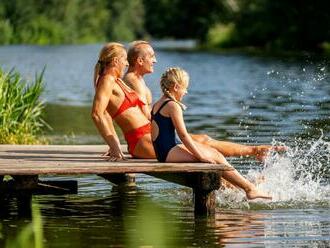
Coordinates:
x,y
254,51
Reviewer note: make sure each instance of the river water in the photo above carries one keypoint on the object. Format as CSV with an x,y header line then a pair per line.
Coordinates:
x,y
236,97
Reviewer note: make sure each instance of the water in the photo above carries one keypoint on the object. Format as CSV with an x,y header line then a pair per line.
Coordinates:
x,y
240,98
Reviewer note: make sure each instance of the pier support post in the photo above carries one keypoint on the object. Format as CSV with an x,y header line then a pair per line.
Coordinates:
x,y
30,184
203,184
204,193
122,179
26,182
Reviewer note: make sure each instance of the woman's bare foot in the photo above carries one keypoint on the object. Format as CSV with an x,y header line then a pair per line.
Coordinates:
x,y
254,193
262,151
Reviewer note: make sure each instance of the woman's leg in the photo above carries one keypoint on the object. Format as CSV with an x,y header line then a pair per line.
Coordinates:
x,y
144,148
230,149
180,153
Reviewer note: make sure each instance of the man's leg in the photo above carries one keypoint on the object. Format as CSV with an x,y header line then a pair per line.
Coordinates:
x,y
231,149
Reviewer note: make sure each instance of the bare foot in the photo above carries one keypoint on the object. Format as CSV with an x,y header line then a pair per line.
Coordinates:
x,y
262,151
254,193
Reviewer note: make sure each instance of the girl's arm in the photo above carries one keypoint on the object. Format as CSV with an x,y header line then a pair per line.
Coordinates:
x,y
176,115
102,119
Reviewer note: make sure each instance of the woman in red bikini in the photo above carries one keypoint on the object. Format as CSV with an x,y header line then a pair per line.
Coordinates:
x,y
115,101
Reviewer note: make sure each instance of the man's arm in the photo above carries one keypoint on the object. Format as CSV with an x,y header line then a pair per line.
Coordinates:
x,y
102,119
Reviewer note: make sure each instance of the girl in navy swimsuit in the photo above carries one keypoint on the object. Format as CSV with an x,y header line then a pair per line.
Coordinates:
x,y
167,120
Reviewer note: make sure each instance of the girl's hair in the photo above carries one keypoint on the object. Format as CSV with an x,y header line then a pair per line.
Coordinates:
x,y
135,50
170,77
106,56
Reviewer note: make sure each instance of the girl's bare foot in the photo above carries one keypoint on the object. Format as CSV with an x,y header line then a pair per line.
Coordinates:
x,y
262,151
254,193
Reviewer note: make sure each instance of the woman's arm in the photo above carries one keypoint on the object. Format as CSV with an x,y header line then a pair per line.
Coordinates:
x,y
102,119
176,115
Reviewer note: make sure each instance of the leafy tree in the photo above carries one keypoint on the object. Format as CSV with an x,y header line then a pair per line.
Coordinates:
x,y
282,24
127,19
184,19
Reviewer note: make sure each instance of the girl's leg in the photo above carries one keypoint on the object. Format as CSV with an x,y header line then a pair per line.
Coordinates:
x,y
239,181
180,153
230,149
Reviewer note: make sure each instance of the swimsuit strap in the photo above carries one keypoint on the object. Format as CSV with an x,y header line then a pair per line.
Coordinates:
x,y
164,103
122,85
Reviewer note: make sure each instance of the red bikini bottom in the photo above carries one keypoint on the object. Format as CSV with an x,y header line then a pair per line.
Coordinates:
x,y
133,137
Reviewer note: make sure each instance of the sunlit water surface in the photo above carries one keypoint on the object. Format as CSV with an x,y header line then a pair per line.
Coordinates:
x,y
236,97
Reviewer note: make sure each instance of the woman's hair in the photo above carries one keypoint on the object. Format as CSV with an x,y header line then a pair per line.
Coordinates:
x,y
135,50
170,77
106,56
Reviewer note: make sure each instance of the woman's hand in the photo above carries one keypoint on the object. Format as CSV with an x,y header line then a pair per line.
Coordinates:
x,y
114,154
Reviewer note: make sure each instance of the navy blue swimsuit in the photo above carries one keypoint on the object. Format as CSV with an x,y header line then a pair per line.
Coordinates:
x,y
166,138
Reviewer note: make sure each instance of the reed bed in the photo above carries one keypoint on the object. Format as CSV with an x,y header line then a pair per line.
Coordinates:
x,y
21,109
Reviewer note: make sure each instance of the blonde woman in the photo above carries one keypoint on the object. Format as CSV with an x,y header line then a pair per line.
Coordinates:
x,y
167,120
115,101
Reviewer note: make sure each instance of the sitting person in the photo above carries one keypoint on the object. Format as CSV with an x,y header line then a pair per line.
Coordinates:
x,y
141,58
167,119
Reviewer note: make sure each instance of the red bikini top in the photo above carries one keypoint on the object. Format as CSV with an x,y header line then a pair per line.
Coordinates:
x,y
131,99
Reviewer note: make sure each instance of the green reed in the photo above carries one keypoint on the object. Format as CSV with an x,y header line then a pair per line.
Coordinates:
x,y
31,236
21,109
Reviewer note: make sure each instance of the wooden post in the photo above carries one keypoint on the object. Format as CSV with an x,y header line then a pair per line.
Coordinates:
x,y
204,193
120,179
205,202
26,182
30,184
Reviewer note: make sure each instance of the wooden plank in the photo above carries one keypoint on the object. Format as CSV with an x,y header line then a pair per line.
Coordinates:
x,y
83,159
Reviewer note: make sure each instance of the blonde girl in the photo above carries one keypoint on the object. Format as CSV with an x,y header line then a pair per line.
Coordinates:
x,y
167,120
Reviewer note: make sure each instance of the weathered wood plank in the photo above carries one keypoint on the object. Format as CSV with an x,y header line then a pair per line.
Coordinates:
x,y
82,159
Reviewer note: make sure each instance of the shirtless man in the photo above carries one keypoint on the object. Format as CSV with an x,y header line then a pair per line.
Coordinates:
x,y
141,58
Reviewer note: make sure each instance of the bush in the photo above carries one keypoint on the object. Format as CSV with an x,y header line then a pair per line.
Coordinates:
x,y
220,35
6,32
20,109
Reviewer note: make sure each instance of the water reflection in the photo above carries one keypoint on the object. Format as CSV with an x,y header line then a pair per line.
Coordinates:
x,y
130,218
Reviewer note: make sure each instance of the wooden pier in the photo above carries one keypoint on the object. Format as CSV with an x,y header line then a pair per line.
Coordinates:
x,y
26,162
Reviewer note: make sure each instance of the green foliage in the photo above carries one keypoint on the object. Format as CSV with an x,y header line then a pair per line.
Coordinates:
x,y
282,24
267,24
6,32
21,110
184,19
75,21
92,17
42,31
127,19
32,235
54,21
220,35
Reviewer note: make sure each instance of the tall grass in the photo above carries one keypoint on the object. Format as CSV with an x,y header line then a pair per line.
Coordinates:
x,y
21,109
31,236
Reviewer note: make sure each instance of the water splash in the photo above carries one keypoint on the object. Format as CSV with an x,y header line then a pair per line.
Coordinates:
x,y
298,178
